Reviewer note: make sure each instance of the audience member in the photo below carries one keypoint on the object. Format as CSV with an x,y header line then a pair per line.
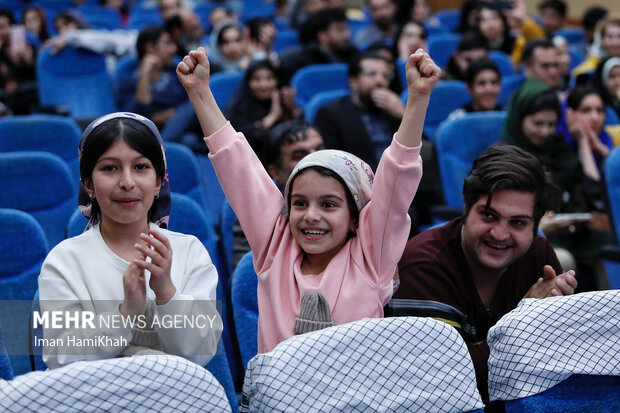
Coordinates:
x,y
531,124
383,27
327,255
35,21
262,33
564,60
185,29
260,104
607,82
606,44
416,10
484,84
363,123
126,196
300,10
552,15
583,118
493,27
409,37
541,61
591,17
168,8
220,15
17,67
471,48
69,20
152,90
228,48
477,268
325,39
468,20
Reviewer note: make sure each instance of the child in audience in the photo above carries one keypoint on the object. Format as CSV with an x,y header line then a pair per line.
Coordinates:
x,y
330,258
123,264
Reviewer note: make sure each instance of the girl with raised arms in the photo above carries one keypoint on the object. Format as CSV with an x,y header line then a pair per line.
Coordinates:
x,y
325,252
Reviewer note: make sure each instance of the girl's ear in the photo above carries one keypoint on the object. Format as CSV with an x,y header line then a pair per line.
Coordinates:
x,y
89,188
158,186
353,225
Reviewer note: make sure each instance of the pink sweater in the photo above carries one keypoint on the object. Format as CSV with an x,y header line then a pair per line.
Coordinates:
x,y
358,280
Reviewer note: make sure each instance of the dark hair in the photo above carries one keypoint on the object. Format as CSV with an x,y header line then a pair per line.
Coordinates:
x,y
73,16
466,8
399,32
138,136
281,135
592,16
470,41
9,15
509,167
353,211
254,66
226,26
254,25
43,33
557,5
578,94
320,21
478,66
509,40
545,101
530,47
355,67
148,35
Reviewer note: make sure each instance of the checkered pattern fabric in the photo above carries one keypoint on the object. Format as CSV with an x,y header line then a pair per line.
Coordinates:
x,y
403,364
543,342
131,384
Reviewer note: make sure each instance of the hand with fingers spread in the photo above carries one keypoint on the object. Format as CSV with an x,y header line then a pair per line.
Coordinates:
x,y
158,249
550,284
134,285
422,74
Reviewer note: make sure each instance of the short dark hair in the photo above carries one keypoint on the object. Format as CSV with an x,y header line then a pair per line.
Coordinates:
x,y
283,134
135,134
320,21
510,168
578,93
470,41
530,47
254,25
150,34
557,5
223,28
355,67
478,66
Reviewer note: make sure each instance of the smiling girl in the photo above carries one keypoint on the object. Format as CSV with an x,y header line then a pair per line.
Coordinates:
x,y
325,248
123,264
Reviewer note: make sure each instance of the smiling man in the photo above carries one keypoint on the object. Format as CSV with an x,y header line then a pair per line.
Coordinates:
x,y
477,268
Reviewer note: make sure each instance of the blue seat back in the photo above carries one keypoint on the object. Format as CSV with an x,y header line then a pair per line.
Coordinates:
x,y
458,143
224,85
612,181
49,133
449,17
285,38
313,79
40,184
101,18
245,307
573,35
510,84
184,173
447,96
215,194
23,248
320,99
76,79
503,61
578,393
257,8
6,371
227,221
441,46
141,17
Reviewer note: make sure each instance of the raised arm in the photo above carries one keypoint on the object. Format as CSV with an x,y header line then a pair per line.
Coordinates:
x,y
193,73
422,76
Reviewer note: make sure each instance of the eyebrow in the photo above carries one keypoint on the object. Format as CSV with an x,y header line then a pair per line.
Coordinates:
x,y
111,158
482,208
328,196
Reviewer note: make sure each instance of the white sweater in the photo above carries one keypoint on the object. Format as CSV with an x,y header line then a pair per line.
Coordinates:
x,y
85,275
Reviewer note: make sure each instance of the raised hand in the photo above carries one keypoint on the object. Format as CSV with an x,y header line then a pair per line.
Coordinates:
x,y
134,286
158,249
551,284
422,74
194,70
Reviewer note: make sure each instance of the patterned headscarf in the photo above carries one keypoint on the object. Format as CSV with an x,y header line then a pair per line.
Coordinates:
x,y
355,173
162,212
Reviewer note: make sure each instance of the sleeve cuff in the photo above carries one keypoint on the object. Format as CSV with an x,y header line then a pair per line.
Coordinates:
x,y
403,154
220,138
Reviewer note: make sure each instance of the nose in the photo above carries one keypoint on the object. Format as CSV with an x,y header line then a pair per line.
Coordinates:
x,y
126,181
312,214
500,232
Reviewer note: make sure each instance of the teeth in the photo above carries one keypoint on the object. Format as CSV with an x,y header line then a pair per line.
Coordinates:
x,y
498,246
314,232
